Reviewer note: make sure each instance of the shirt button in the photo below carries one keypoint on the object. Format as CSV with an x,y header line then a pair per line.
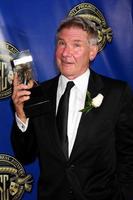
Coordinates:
x,y
70,191
22,126
72,166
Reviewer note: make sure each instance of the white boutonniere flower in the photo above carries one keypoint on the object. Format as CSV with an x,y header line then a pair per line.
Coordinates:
x,y
92,103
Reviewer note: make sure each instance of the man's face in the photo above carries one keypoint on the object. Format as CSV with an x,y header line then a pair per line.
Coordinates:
x,y
73,52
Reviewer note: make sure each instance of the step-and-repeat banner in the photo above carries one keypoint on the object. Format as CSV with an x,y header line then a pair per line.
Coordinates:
x,y
32,25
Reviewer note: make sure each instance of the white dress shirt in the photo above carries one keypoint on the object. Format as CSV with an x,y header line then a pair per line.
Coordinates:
x,y
76,103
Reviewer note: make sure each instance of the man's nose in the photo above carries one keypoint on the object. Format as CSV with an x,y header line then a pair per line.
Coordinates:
x,y
67,51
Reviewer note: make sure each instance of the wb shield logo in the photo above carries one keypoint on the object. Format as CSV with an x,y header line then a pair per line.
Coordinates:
x,y
13,179
7,52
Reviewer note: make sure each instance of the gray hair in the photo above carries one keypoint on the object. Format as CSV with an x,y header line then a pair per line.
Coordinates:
x,y
83,23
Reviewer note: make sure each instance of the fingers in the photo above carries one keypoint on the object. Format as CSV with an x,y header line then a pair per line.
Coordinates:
x,y
20,94
20,91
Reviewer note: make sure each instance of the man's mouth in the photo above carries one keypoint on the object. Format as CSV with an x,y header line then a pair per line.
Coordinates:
x,y
67,62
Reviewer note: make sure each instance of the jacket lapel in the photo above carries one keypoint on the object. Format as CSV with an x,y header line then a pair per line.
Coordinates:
x,y
95,86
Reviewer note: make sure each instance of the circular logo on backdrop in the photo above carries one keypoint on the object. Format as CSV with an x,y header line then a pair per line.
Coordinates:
x,y
89,11
13,179
7,52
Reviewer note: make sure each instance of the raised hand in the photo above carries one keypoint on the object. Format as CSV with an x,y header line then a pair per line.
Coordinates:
x,y
20,94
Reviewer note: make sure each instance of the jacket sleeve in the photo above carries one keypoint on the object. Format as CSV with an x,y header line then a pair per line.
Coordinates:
x,y
124,144
24,143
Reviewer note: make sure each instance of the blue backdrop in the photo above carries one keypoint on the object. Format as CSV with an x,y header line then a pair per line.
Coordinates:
x,y
32,24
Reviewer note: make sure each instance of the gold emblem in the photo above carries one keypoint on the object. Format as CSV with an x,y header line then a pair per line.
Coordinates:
x,y
92,13
7,52
13,180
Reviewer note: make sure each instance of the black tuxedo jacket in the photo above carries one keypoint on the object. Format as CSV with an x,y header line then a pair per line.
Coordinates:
x,y
101,163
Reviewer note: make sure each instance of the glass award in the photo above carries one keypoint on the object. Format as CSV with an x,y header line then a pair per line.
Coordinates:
x,y
23,65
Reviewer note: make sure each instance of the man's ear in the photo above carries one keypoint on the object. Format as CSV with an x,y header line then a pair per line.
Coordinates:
x,y
93,52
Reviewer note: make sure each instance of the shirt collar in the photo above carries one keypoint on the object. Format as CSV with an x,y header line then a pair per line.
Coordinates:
x,y
80,82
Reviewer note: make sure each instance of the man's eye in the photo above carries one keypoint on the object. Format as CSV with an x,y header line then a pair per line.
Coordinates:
x,y
77,45
60,43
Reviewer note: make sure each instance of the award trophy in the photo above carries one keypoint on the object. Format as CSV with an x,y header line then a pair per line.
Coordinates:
x,y
23,65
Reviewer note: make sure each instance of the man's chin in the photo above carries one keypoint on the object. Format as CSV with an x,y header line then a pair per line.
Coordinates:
x,y
68,75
